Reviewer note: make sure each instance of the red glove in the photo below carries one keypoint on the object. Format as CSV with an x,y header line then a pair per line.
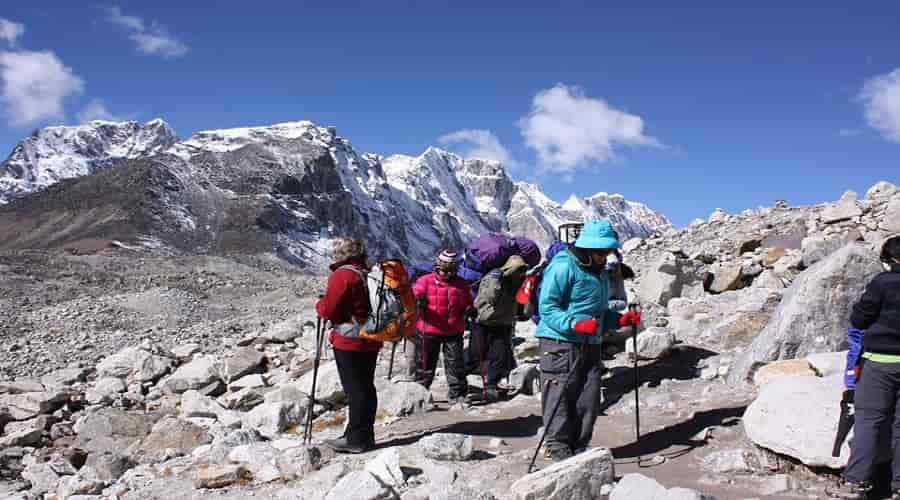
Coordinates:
x,y
586,327
632,318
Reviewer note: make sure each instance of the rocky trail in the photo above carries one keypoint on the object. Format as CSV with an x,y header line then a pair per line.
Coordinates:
x,y
137,374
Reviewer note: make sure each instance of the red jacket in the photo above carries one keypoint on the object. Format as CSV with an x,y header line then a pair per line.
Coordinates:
x,y
447,301
346,299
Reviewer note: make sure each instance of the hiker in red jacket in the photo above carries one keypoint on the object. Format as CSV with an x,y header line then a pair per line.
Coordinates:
x,y
443,299
346,305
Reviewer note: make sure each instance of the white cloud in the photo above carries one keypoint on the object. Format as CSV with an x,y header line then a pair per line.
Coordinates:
x,y
35,85
881,101
10,31
153,39
96,110
567,129
480,144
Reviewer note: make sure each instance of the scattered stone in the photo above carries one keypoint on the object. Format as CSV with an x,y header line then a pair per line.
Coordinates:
x,y
360,485
271,419
243,361
579,477
317,485
64,377
186,351
245,399
298,461
442,446
172,435
20,386
524,377
220,476
400,399
84,483
109,466
26,437
105,390
112,429
727,461
890,222
284,331
726,277
328,385
845,209
386,467
197,374
634,486
27,405
259,459
248,381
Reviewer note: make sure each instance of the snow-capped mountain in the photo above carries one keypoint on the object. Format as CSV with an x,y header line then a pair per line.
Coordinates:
x,y
288,189
52,154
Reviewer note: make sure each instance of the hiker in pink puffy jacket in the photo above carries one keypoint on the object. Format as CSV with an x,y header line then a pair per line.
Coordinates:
x,y
444,299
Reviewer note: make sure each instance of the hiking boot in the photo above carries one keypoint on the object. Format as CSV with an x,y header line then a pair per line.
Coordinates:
x,y
849,490
340,445
491,395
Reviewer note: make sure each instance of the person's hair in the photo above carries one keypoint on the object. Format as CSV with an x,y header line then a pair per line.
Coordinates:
x,y
890,251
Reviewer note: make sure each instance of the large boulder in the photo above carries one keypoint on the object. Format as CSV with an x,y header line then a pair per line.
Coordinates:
x,y
328,384
243,361
171,435
725,321
197,374
845,209
890,223
669,277
654,342
781,420
634,486
726,277
812,316
112,430
317,485
581,477
28,405
271,419
402,398
780,369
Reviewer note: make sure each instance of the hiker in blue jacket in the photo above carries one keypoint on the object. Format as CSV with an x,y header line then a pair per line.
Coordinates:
x,y
574,312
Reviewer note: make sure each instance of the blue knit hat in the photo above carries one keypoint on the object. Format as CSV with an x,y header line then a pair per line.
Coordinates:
x,y
598,235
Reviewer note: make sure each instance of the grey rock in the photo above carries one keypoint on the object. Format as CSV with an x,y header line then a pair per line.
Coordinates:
x,y
727,461
779,419
26,437
284,331
84,483
298,462
286,393
21,385
845,209
42,477
150,367
197,374
64,377
270,419
811,317
779,483
171,435
259,459
26,405
816,248
768,279
726,321
726,277
220,476
184,352
222,445
109,466
243,361
828,363
112,430
386,467
402,398
120,364
443,446
634,486
890,222
525,378
328,384
194,404
653,342
578,478
667,278
882,189
244,399
360,485
316,485
248,381
105,390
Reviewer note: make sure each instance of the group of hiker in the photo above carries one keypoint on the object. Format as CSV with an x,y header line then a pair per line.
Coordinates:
x,y
575,295
570,296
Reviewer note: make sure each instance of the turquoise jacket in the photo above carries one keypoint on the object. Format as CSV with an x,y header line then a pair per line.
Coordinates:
x,y
570,294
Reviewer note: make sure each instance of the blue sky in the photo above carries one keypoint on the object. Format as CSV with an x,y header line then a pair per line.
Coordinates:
x,y
684,108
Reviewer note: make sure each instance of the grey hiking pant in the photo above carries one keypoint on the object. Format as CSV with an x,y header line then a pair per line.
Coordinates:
x,y
573,424
876,400
454,367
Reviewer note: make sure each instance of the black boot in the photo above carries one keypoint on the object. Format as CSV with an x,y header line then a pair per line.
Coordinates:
x,y
341,445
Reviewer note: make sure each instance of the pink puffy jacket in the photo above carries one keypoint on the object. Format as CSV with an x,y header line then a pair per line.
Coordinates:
x,y
447,302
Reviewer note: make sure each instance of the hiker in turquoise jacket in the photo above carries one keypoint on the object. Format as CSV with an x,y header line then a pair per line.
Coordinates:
x,y
574,313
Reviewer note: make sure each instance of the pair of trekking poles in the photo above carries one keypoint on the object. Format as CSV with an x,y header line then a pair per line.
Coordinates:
x,y
311,406
582,354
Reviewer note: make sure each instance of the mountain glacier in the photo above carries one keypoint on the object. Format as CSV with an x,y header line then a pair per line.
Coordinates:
x,y
292,187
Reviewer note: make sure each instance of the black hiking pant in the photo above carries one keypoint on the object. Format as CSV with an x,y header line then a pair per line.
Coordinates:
x,y
573,425
876,401
454,367
413,352
357,373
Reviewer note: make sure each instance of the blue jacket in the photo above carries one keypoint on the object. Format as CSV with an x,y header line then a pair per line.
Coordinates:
x,y
570,294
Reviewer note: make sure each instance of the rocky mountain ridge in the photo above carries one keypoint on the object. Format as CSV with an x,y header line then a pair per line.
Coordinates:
x,y
290,186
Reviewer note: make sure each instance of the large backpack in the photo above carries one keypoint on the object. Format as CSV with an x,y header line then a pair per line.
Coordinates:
x,y
393,313
491,250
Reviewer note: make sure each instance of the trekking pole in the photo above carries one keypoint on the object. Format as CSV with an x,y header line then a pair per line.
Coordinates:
x,y
320,334
582,354
637,403
391,364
